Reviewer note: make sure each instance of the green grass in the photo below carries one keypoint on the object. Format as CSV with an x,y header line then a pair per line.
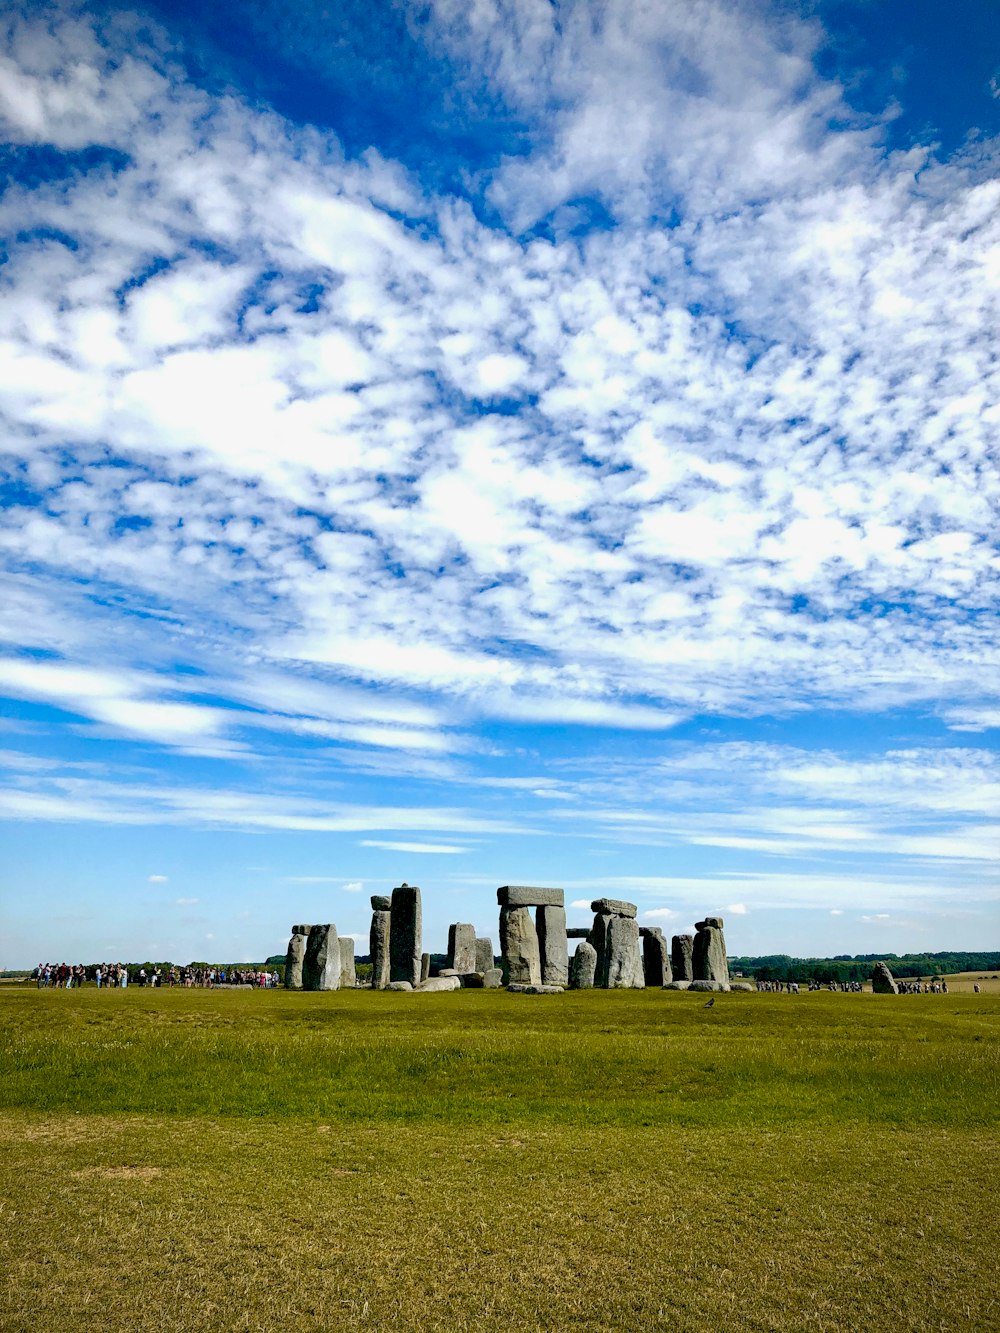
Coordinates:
x,y
248,1160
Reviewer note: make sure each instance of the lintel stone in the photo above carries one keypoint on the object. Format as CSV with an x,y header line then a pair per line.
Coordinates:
x,y
524,895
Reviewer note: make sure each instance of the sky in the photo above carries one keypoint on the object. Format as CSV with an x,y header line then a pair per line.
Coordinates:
x,y
496,441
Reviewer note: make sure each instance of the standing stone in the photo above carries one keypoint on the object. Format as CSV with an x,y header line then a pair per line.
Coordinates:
x,y
484,955
493,978
709,962
883,982
524,895
425,967
321,965
599,940
462,947
348,972
681,956
295,956
624,954
583,967
519,947
553,950
655,957
378,948
405,935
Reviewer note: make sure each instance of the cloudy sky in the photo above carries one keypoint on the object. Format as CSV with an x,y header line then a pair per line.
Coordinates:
x,y
499,442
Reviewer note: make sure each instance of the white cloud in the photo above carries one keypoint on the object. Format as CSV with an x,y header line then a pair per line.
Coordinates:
x,y
355,886
434,848
186,902
661,914
737,909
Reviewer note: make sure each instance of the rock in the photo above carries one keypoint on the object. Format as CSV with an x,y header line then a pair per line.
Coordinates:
x,y
883,982
681,955
378,948
709,961
550,923
523,895
743,985
624,954
612,907
405,935
655,957
462,947
709,985
583,967
425,966
321,964
348,972
472,980
677,985
446,971
440,983
484,954
294,958
710,922
493,978
578,933
381,902
399,985
519,989
519,947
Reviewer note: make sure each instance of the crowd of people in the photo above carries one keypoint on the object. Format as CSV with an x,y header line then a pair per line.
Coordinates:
x,y
70,976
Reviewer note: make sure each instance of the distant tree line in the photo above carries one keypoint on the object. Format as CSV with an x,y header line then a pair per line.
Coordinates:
x,y
858,967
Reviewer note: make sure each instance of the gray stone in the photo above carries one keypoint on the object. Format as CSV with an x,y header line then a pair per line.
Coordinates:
x,y
655,957
484,954
523,895
381,902
440,983
578,933
743,985
472,980
493,978
613,907
378,948
709,961
710,921
462,947
405,935
522,963
425,966
321,964
709,985
348,972
677,985
301,930
445,971
624,954
583,967
550,922
399,985
681,954
294,958
518,989
883,982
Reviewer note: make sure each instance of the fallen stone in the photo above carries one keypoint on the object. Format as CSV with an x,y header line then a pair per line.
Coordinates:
x,y
518,989
294,958
447,971
378,948
743,985
493,978
381,902
321,964
624,955
677,985
613,907
883,982
709,985
550,923
583,967
709,962
405,935
399,985
484,954
681,955
348,972
655,957
462,947
472,980
523,895
440,983
519,947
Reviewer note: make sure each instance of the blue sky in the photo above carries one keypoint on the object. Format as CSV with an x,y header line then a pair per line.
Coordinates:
x,y
499,443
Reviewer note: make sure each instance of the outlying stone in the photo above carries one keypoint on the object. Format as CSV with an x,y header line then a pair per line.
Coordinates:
x,y
883,982
462,947
484,954
493,978
583,967
348,972
440,983
321,964
681,954
518,989
709,961
378,948
655,956
550,922
381,902
294,957
613,907
524,895
519,947
405,935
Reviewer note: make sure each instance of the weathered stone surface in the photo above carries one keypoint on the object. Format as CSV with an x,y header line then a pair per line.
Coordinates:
x,y
294,958
493,978
519,947
405,935
348,972
550,922
583,967
709,985
677,985
519,989
742,985
462,947
378,948
613,907
446,971
709,961
524,895
381,902
472,980
624,955
578,933
399,985
484,954
715,921
440,983
301,930
425,966
321,964
681,956
883,982
655,957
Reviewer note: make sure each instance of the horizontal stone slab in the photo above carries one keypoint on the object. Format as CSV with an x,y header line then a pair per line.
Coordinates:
x,y
677,985
521,988
651,930
709,985
525,895
613,907
710,922
742,985
381,902
301,930
440,983
578,932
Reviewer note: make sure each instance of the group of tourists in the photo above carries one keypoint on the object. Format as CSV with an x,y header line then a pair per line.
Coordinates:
x,y
70,976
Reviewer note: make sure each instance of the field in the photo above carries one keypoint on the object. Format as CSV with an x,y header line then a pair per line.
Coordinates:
x,y
255,1161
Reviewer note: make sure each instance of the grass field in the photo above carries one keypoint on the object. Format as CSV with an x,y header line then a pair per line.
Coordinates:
x,y
241,1160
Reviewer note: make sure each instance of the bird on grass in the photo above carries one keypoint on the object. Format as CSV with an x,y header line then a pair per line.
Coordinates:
x,y
710,1003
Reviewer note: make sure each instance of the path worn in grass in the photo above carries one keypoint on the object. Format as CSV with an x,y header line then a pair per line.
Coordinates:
x,y
247,1161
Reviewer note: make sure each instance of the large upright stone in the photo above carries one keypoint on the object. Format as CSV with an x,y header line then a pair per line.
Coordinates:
x,y
462,947
378,948
295,957
583,967
519,947
484,955
655,957
405,931
624,954
553,950
321,965
599,941
883,982
613,907
681,955
348,971
709,962
524,895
